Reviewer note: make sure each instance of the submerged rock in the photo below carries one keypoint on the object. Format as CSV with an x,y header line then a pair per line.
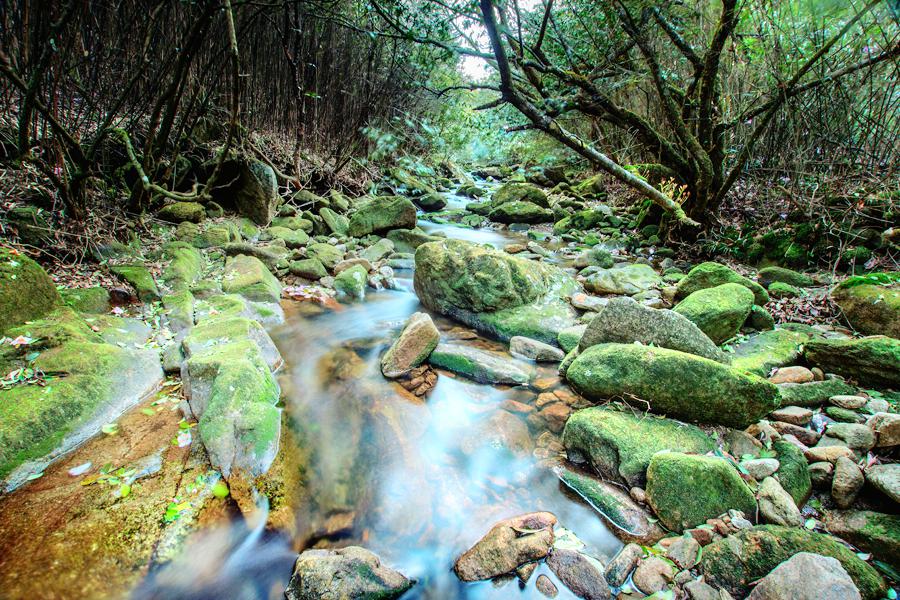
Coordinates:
x,y
26,291
509,544
479,365
674,383
415,343
871,360
625,321
351,572
806,576
619,445
718,311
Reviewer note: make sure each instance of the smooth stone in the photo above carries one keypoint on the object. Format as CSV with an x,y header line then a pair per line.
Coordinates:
x,y
828,453
846,483
848,401
820,474
546,587
530,349
415,343
796,415
479,365
351,572
776,505
760,468
579,573
652,575
855,435
622,564
583,301
806,576
886,427
508,545
684,552
792,375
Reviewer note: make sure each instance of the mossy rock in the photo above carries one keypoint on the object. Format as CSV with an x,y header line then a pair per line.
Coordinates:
x,y
86,300
519,192
769,275
793,472
871,303
520,212
686,489
215,330
542,320
140,278
784,290
760,319
293,238
337,224
718,311
710,274
871,360
382,214
674,383
768,350
407,240
735,562
326,253
293,222
628,279
570,337
813,393
583,220
185,266
308,268
351,283
248,276
182,211
619,445
26,291
874,532
179,310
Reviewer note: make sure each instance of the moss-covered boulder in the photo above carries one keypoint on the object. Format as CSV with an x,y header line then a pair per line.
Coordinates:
x,y
583,220
185,265
255,191
770,275
781,290
336,223
718,311
382,214
619,445
711,274
292,238
673,383
793,472
874,532
871,360
519,192
308,268
26,291
687,489
329,255
813,393
627,279
520,212
140,278
407,240
351,283
247,276
86,300
735,562
480,365
871,303
769,350
182,211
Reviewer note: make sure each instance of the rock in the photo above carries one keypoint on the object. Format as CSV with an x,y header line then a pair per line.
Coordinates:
x,y
351,283
182,211
140,278
760,468
255,191
479,365
407,240
768,350
871,303
629,521
776,505
351,572
886,479
886,427
595,257
546,587
872,360
619,445
337,224
629,279
84,300
813,393
770,275
718,311
780,290
583,301
874,532
524,347
796,415
352,262
684,552
622,564
292,238
308,268
711,274
381,214
685,490
806,576
674,383
820,473
247,276
827,453
698,590
848,402
520,212
792,375
415,343
626,321
519,192
733,563
509,544
581,574
843,415
570,337
793,473
652,575
378,250
26,291
856,436
501,430
760,319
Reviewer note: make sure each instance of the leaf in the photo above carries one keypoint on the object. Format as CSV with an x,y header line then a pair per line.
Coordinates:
x,y
220,490
148,411
125,490
110,428
33,476
810,524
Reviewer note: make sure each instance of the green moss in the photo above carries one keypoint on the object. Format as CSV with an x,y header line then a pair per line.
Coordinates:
x,y
710,274
770,275
520,212
381,214
871,303
293,238
247,276
519,192
61,326
327,254
685,490
718,311
182,211
179,309
581,221
737,561
760,319
675,383
768,350
793,472
185,266
140,279
784,290
351,282
871,360
874,532
26,291
843,415
86,300
619,445
813,393
569,337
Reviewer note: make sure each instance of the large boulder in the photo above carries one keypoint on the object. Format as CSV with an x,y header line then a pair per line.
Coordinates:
x,y
520,192
687,489
874,532
625,321
255,191
806,576
520,212
492,291
673,383
351,572
26,291
871,303
509,544
247,276
769,350
382,214
415,343
619,445
871,360
770,275
628,279
711,274
718,311
735,562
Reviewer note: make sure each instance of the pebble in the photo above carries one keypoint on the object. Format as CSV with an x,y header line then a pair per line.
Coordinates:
x,y
546,587
792,375
684,552
652,575
847,482
849,402
820,473
796,415
760,468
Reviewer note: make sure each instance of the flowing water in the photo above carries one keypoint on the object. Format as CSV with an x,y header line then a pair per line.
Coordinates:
x,y
415,481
